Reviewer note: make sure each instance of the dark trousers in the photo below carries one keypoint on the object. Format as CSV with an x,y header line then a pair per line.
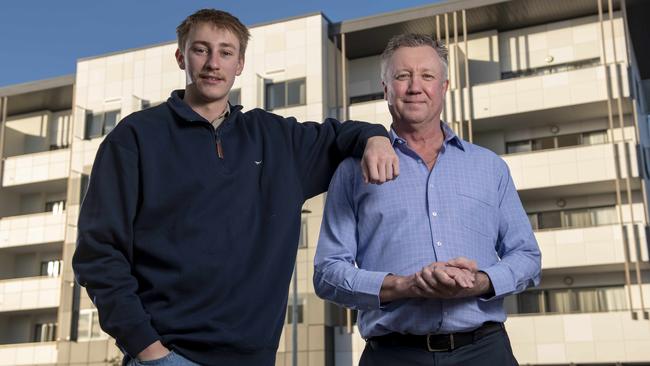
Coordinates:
x,y
492,350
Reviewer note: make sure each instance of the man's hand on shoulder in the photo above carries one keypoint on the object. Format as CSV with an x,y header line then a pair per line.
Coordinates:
x,y
154,351
379,163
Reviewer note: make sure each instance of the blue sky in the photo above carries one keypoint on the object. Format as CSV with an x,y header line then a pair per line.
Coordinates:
x,y
41,39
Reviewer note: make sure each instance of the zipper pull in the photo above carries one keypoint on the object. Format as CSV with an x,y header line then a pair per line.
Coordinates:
x,y
219,148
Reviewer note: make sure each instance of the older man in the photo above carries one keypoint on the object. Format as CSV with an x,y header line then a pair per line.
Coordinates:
x,y
426,259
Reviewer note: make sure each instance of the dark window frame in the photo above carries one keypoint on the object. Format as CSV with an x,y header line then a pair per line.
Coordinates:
x,y
231,96
535,219
101,127
285,100
545,303
533,142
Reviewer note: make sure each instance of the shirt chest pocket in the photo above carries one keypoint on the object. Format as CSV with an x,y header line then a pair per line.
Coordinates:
x,y
477,211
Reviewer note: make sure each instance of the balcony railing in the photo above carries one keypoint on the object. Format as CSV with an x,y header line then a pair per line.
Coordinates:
x,y
29,293
588,246
570,165
46,227
28,354
37,167
587,338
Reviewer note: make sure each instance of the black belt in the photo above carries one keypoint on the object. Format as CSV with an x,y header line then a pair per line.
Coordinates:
x,y
436,342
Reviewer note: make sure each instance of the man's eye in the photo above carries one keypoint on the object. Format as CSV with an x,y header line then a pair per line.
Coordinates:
x,y
226,53
200,50
428,77
402,76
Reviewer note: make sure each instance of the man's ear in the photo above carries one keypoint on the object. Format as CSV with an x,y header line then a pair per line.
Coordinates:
x,y
240,65
383,85
180,59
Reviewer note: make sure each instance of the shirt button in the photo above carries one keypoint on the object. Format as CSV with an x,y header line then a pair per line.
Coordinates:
x,y
434,213
439,243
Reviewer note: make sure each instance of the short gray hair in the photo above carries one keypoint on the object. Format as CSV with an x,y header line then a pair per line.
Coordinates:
x,y
412,40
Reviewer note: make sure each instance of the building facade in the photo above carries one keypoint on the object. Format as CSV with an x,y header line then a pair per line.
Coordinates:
x,y
555,87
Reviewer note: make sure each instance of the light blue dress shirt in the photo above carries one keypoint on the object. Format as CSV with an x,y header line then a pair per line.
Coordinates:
x,y
467,205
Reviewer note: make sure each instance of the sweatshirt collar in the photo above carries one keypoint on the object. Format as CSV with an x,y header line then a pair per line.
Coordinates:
x,y
182,109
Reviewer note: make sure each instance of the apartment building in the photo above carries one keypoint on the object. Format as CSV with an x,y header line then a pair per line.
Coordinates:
x,y
554,87
35,151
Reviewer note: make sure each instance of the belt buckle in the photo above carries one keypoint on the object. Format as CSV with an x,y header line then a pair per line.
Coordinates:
x,y
431,349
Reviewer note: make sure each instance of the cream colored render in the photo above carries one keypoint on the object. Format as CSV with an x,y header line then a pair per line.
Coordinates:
x,y
300,48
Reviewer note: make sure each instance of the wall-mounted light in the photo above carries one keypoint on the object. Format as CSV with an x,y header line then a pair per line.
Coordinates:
x,y
560,202
549,59
555,129
568,280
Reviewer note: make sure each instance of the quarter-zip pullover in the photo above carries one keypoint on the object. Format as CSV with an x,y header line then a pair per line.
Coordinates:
x,y
188,235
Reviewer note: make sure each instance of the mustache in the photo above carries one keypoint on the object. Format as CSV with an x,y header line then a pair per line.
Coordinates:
x,y
216,75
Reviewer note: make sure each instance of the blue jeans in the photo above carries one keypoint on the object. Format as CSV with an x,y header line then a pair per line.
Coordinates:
x,y
172,359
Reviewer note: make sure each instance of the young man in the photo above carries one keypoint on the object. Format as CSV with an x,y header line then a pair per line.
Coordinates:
x,y
188,232
398,252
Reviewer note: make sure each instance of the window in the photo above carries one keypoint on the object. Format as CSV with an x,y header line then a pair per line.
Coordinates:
x,y
55,207
98,125
88,325
85,179
300,309
554,142
234,97
552,69
286,94
296,92
573,218
340,315
303,242
564,301
51,268
366,97
44,332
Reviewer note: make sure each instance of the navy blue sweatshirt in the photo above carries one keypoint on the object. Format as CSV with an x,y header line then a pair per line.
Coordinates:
x,y
178,244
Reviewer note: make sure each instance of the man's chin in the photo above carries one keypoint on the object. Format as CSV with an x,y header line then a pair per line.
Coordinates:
x,y
211,97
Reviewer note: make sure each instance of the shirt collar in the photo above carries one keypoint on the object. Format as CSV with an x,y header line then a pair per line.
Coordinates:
x,y
217,121
178,105
450,137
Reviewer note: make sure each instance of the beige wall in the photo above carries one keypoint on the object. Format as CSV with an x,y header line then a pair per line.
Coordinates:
x,y
559,43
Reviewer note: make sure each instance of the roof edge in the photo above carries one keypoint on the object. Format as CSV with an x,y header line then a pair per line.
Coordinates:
x,y
37,85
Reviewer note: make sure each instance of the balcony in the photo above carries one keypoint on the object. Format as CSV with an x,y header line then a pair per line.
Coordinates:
x,y
29,293
37,167
32,229
28,354
597,245
569,166
579,338
532,93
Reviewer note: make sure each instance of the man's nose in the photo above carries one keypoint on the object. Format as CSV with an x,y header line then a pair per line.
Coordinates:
x,y
212,62
415,85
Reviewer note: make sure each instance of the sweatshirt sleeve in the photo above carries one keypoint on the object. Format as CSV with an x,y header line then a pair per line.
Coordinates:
x,y
104,253
320,147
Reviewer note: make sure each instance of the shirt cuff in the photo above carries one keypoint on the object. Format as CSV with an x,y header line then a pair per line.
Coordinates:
x,y
367,287
501,280
139,338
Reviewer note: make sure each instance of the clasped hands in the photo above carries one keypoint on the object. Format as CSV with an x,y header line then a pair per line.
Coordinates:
x,y
456,278
453,279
